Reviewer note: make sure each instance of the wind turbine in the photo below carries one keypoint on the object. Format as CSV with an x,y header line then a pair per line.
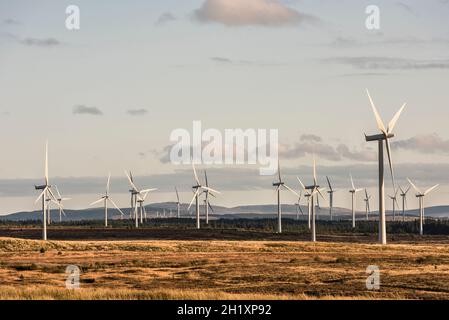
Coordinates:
x,y
404,200
105,200
298,205
206,200
141,208
138,195
367,199
178,203
313,190
59,201
386,135
394,199
308,197
331,197
420,195
197,189
353,192
45,194
278,186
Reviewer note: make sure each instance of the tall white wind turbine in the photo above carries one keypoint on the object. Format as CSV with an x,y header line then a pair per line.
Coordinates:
x,y
280,184
420,195
207,193
105,199
59,201
385,135
353,192
197,189
404,200
313,191
45,194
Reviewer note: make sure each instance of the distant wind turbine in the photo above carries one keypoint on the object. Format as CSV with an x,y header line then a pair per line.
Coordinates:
x,y
105,200
279,184
367,199
386,135
59,201
331,192
309,207
394,200
420,195
353,192
404,200
197,189
298,205
138,195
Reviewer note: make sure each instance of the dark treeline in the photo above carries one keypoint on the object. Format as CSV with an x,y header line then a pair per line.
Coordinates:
x,y
431,227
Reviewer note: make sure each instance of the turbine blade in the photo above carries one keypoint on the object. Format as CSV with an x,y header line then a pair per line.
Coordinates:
x,y
113,203
431,189
329,183
147,190
194,173
379,121
393,121
352,182
40,196
279,171
51,194
300,209
210,207
95,202
414,187
130,180
210,189
193,199
205,177
290,189
46,162
390,161
177,195
57,191
108,183
302,184
314,171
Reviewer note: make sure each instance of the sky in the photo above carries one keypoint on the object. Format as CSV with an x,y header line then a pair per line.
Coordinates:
x,y
107,96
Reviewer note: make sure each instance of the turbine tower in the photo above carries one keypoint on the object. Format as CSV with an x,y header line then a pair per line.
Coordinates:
x,y
178,204
278,186
45,194
394,199
105,200
138,195
206,200
331,192
385,135
353,192
420,195
59,201
197,189
367,199
403,195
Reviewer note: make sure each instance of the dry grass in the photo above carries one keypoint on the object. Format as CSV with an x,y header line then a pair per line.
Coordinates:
x,y
221,270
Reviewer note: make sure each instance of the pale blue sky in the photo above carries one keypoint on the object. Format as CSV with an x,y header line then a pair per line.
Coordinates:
x,y
305,78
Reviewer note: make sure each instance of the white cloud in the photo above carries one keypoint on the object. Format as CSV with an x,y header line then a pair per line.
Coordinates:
x,y
250,12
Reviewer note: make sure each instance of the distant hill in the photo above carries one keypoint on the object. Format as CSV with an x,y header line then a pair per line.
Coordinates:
x,y
246,212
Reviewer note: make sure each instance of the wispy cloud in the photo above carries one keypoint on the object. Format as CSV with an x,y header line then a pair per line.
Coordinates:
x,y
11,22
251,12
232,62
388,63
430,143
137,112
45,42
82,109
165,18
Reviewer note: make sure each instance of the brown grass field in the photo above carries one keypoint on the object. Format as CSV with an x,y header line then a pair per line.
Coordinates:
x,y
223,269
